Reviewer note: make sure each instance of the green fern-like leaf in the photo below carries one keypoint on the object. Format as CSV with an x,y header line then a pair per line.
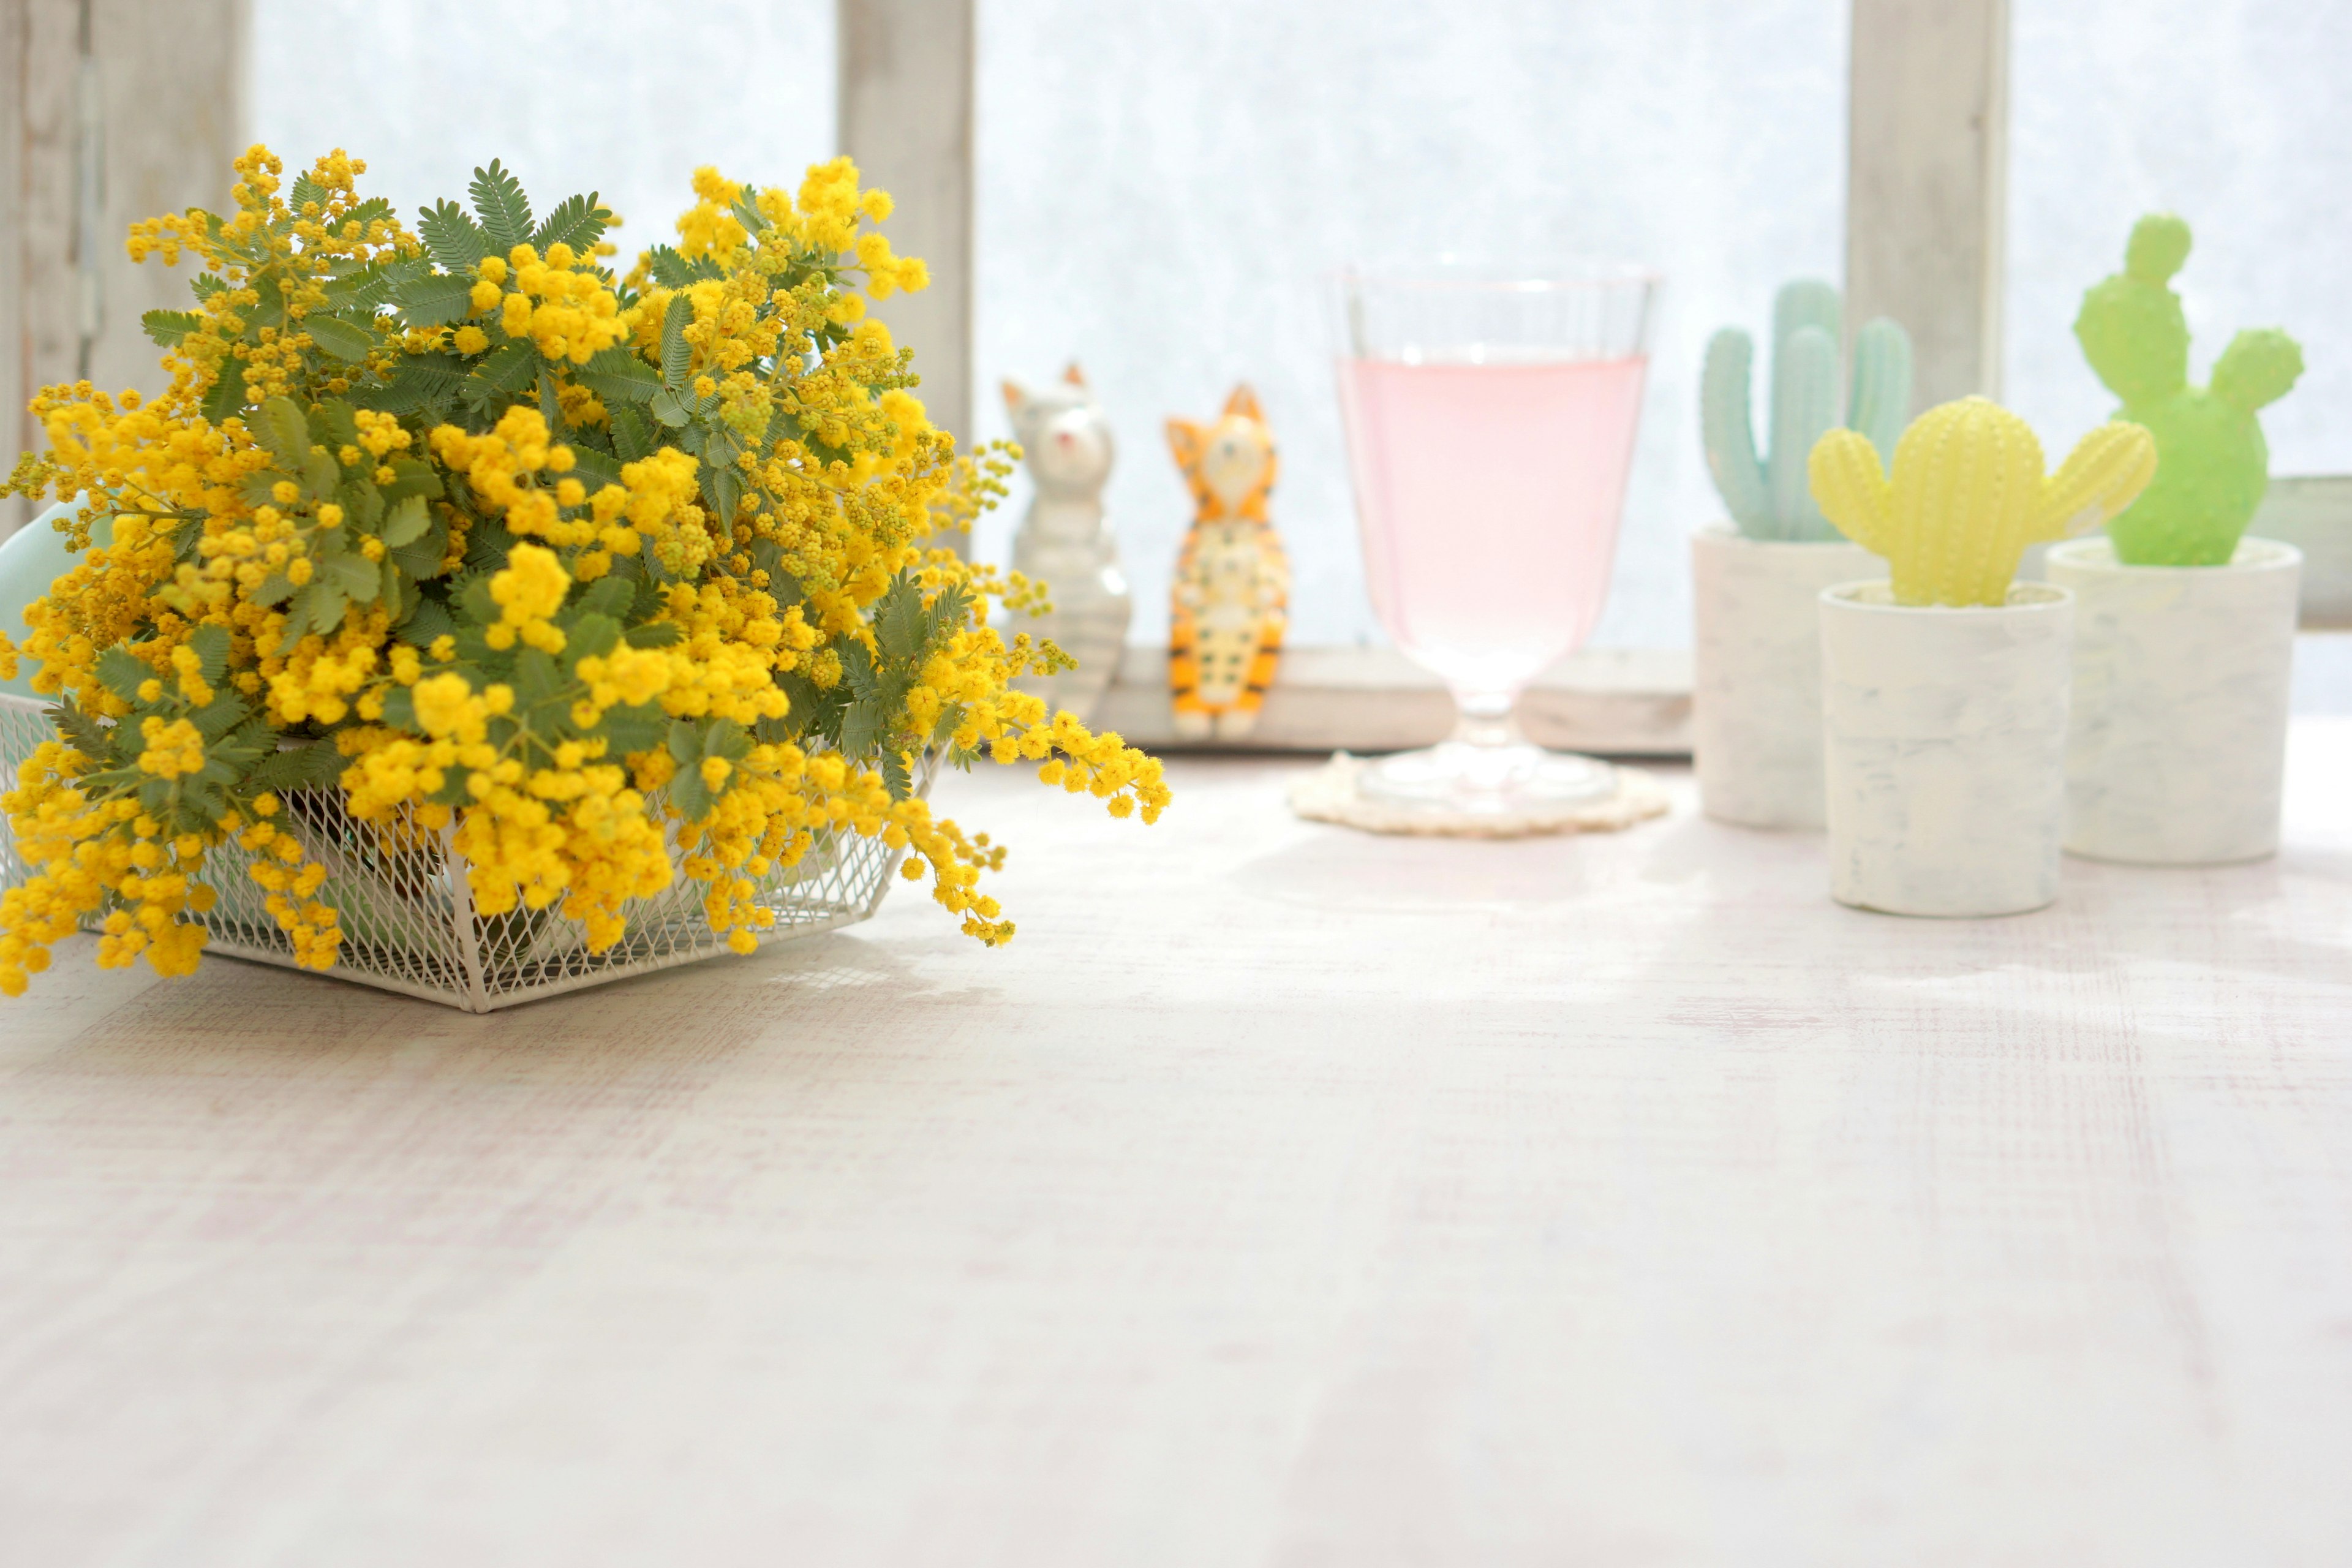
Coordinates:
x,y
670,270
617,374
455,240
314,766
357,577
949,611
428,620
725,483
436,300
638,729
595,468
861,727
609,596
210,644
412,477
282,430
215,719
421,558
632,433
895,777
499,203
168,327
121,672
371,287
899,619
405,522
747,211
423,384
502,371
577,221
225,398
857,667
678,354
345,340
82,733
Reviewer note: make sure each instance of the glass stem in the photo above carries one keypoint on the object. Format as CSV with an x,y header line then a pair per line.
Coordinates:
x,y
1485,720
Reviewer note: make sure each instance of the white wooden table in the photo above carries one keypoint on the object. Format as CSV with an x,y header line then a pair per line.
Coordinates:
x,y
1281,1196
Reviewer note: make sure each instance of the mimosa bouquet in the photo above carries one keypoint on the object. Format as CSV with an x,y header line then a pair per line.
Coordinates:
x,y
601,582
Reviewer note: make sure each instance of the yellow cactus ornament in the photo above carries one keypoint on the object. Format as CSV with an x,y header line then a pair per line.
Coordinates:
x,y
1969,494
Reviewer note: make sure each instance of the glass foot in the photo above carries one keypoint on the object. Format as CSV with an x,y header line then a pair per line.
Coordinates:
x,y
1459,776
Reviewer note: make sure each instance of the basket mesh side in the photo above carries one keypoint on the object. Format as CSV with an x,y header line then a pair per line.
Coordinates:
x,y
22,727
408,918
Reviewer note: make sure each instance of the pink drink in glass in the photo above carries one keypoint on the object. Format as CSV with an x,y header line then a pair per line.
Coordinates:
x,y
1489,495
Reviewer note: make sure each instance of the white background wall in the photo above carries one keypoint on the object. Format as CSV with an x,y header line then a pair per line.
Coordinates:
x,y
2236,115
573,95
1161,186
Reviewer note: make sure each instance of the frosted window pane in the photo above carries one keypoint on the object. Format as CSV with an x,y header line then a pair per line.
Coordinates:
x,y
1161,186
590,95
2233,115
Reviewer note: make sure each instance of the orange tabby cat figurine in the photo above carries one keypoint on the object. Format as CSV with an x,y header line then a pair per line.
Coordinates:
x,y
1231,594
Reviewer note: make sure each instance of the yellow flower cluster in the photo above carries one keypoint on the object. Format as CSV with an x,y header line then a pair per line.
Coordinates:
x,y
590,627
276,258
107,861
279,866
557,301
322,678
517,472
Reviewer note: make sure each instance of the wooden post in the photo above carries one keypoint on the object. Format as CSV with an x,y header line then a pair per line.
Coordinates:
x,y
905,107
38,303
1925,185
116,110
12,249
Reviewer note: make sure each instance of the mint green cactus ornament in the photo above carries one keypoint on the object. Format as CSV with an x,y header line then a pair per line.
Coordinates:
x,y
2213,464
1768,496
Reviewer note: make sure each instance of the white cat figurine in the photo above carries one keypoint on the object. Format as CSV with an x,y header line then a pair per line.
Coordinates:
x,y
1062,539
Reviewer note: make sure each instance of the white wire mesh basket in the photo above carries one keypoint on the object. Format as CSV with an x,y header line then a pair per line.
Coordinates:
x,y
408,918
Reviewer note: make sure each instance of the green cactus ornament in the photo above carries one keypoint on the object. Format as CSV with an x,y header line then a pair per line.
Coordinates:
x,y
1769,497
1968,494
2213,464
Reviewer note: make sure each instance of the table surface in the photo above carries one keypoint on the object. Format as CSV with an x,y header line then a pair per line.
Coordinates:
x,y
1280,1196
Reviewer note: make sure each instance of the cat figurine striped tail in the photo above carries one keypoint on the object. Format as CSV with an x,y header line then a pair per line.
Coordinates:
x,y
1231,600
1065,541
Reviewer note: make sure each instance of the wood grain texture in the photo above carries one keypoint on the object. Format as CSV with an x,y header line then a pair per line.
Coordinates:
x,y
13,26
1927,184
1280,1196
43,52
2314,513
904,98
170,86
172,81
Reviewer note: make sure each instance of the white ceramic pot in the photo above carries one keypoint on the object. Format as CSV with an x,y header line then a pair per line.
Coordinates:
x,y
1755,691
30,560
2178,746
1945,750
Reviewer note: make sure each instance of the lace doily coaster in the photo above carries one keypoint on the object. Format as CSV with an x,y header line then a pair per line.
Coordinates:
x,y
1329,794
